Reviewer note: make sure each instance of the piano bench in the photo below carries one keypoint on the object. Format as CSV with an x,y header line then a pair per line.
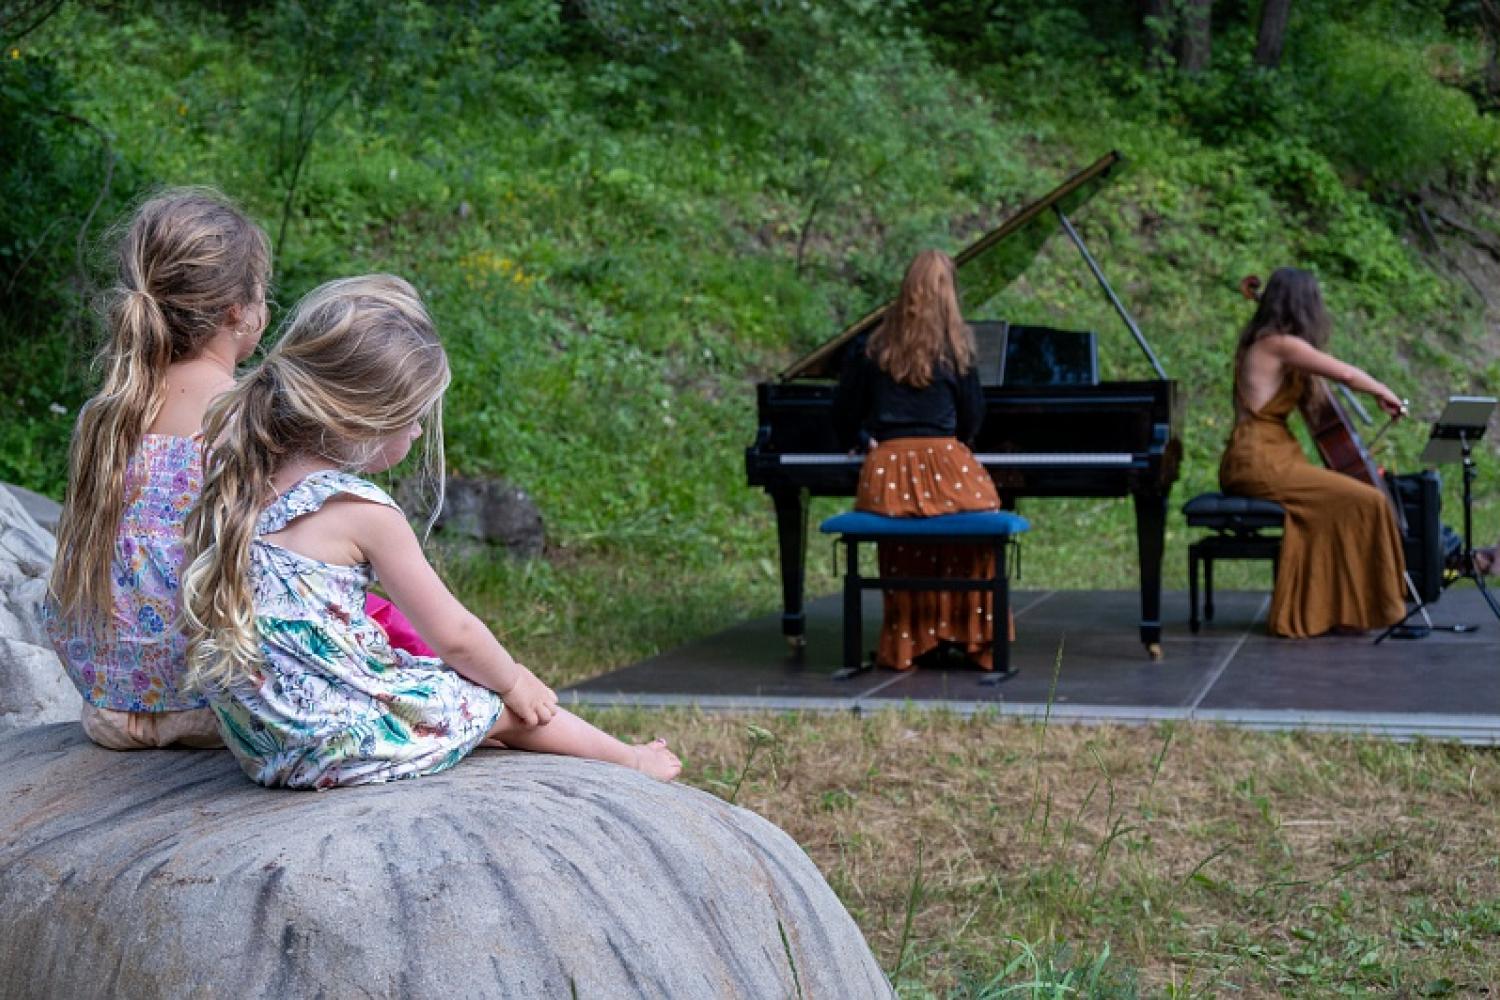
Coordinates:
x,y
1237,523
993,528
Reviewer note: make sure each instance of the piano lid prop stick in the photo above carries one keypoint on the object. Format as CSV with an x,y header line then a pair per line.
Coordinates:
x,y
1088,259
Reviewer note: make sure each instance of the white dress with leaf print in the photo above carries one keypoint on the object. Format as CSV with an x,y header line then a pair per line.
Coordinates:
x,y
334,703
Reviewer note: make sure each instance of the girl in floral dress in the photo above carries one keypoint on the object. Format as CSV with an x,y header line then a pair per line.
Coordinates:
x,y
286,540
188,305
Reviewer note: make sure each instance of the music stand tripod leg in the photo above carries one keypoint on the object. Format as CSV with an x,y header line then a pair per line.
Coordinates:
x,y
1420,607
1471,571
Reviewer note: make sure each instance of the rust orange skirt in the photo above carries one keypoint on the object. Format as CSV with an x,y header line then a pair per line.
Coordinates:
x,y
924,477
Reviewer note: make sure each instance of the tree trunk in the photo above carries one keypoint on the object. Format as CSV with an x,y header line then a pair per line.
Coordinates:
x,y
1489,22
1273,18
1156,20
1195,41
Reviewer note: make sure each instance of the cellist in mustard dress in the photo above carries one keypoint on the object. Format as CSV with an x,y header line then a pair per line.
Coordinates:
x,y
1341,567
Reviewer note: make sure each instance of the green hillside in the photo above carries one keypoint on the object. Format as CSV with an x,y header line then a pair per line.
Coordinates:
x,y
624,215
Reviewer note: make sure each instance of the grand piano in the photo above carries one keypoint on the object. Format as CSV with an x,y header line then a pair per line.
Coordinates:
x,y
1109,439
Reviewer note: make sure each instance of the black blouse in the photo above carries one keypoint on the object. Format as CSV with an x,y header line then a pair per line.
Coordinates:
x,y
870,404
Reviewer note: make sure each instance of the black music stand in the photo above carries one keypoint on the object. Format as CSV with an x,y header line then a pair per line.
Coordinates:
x,y
1452,440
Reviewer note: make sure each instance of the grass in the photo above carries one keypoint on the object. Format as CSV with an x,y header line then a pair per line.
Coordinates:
x,y
985,857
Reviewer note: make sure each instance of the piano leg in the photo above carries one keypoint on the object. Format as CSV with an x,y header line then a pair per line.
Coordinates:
x,y
791,537
1150,537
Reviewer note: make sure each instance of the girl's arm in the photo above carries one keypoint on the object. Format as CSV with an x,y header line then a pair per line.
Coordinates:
x,y
465,643
1294,352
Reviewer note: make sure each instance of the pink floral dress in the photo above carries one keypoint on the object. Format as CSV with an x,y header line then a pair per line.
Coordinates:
x,y
138,664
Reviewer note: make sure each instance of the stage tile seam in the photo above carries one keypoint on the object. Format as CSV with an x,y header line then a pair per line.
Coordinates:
x,y
1218,671
1481,730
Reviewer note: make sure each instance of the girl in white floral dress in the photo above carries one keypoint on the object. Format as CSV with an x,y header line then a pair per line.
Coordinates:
x,y
285,543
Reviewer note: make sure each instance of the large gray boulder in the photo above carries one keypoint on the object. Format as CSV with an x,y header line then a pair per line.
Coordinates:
x,y
33,688
492,511
44,510
168,874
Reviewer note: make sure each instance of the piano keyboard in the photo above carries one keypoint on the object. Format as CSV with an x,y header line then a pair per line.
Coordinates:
x,y
993,460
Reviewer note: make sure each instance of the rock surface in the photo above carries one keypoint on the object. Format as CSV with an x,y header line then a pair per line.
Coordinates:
x,y
167,874
33,688
45,511
493,511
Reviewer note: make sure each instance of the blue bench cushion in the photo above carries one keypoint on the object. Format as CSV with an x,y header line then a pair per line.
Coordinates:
x,y
971,524
1217,510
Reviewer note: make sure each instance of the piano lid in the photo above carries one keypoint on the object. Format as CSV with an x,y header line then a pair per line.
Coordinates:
x,y
997,268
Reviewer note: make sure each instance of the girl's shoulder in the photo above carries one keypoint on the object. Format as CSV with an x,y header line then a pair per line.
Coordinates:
x,y
311,492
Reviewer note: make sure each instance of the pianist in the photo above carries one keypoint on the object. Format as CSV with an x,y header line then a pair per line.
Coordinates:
x,y
909,398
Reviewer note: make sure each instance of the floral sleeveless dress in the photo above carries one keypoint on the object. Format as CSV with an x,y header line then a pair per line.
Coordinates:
x,y
335,703
138,663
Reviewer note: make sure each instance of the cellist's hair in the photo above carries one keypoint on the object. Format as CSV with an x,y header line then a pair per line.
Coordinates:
x,y
359,361
186,257
1292,303
924,329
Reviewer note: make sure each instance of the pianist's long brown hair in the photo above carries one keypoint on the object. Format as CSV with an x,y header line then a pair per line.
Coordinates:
x,y
924,328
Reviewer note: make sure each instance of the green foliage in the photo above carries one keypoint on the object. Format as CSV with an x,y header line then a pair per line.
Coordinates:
x,y
624,212
1380,111
61,181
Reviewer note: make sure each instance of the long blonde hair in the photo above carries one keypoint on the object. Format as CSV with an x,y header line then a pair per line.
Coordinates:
x,y
187,256
924,328
359,361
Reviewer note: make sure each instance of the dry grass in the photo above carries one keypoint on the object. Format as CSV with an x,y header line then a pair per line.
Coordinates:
x,y
1186,861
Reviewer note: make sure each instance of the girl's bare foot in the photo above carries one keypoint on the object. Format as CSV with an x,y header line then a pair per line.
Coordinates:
x,y
656,760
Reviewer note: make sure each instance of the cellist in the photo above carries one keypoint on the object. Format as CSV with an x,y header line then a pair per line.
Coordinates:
x,y
1341,567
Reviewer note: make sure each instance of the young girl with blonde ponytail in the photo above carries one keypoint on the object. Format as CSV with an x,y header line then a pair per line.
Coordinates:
x,y
286,541
188,306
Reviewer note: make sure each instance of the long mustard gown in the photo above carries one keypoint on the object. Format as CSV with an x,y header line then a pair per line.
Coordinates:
x,y
1341,560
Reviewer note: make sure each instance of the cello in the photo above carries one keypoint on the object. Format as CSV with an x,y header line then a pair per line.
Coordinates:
x,y
1333,433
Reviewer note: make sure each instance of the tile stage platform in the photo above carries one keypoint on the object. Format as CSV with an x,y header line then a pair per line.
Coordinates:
x,y
1446,686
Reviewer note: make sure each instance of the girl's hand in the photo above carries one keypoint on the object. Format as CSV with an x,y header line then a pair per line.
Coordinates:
x,y
529,700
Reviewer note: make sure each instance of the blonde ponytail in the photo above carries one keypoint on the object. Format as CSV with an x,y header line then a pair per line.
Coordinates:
x,y
186,257
218,611
358,362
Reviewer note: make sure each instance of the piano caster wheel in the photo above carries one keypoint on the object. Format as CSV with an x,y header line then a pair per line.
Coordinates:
x,y
795,643
1153,650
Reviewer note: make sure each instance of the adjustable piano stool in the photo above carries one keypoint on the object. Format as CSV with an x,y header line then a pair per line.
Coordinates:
x,y
993,528
1237,523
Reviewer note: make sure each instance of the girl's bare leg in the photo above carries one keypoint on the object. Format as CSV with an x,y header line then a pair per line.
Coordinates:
x,y
569,735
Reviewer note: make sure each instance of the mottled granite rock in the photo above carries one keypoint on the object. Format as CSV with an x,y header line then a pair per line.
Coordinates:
x,y
33,688
167,874
45,511
491,511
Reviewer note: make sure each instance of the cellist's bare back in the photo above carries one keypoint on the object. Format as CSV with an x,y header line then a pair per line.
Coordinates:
x,y
1268,361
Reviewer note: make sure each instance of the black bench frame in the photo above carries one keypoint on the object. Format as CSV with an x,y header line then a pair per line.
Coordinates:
x,y
854,585
1226,543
